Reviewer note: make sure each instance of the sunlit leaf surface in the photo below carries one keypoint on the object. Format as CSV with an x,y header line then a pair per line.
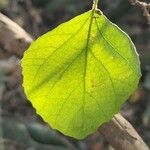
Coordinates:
x,y
78,75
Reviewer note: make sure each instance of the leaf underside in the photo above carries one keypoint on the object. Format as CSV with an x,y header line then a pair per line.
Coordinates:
x,y
78,75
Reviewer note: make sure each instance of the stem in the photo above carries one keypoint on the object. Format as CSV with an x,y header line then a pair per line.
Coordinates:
x,y
95,4
121,135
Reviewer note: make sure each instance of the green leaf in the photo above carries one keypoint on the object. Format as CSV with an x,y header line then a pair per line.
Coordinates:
x,y
78,75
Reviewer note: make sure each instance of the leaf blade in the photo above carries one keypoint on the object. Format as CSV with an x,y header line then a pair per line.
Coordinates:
x,y
74,83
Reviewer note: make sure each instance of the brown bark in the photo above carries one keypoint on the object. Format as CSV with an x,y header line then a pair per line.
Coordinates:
x,y
12,37
118,132
121,134
145,7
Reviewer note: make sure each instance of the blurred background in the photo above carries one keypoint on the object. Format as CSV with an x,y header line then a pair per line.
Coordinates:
x,y
21,127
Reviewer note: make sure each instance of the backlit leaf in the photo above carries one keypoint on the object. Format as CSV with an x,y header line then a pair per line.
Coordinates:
x,y
78,75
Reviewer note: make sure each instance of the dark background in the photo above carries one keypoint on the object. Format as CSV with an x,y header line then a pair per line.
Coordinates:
x,y
22,129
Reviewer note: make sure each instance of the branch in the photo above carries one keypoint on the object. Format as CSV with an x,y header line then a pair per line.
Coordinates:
x,y
118,132
12,37
121,135
144,6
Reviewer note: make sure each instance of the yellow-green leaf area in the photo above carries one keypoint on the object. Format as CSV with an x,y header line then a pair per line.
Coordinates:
x,y
78,75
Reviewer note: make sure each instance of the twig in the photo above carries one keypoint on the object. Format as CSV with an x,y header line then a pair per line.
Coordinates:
x,y
12,37
121,135
144,6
